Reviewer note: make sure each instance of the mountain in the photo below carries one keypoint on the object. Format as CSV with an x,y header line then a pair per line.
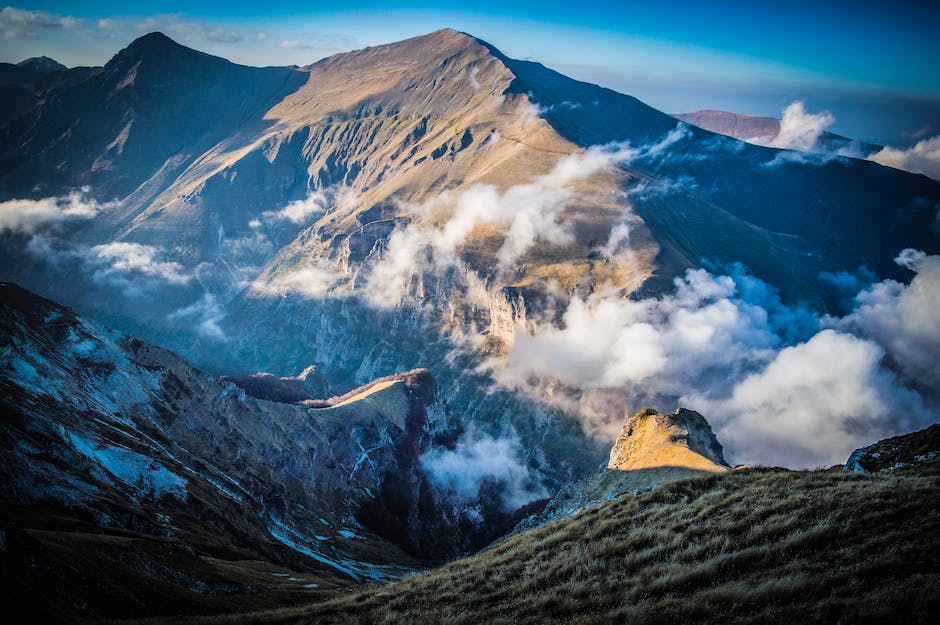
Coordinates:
x,y
765,129
653,449
746,546
734,125
897,452
28,71
421,204
136,484
17,84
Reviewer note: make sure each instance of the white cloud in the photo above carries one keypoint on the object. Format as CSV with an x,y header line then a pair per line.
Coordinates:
x,y
799,129
815,403
29,216
300,212
479,458
311,282
904,318
120,264
20,23
205,315
525,214
922,158
780,385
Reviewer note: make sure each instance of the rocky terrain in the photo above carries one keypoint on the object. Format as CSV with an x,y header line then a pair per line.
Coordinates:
x,y
207,489
754,545
898,452
652,449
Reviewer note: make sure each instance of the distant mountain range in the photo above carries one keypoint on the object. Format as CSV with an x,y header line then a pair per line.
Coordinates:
x,y
751,127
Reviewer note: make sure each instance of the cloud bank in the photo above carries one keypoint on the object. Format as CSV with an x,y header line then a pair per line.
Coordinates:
x,y
922,158
30,216
779,384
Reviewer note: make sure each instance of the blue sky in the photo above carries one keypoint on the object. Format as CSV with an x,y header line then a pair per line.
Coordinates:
x,y
874,65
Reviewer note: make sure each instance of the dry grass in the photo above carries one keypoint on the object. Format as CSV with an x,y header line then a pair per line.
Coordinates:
x,y
753,546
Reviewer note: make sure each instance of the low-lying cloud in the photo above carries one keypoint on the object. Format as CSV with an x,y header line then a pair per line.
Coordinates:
x,y
779,384
921,158
524,214
478,459
30,216
120,263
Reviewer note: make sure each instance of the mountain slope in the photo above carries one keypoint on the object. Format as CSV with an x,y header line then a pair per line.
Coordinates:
x,y
149,111
752,546
207,489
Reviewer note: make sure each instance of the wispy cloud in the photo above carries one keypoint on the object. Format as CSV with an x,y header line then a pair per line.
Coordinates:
x,y
524,214
21,23
479,459
134,267
204,315
29,216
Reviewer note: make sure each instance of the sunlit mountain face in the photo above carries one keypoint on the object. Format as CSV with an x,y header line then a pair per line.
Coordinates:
x,y
275,332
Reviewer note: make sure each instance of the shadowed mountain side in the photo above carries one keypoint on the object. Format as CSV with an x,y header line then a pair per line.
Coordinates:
x,y
151,109
745,547
211,491
899,452
841,212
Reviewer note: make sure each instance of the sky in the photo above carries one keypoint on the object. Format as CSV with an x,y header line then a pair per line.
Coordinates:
x,y
872,64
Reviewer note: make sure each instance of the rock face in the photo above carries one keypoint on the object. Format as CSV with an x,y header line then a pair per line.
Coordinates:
x,y
899,452
653,448
651,440
121,437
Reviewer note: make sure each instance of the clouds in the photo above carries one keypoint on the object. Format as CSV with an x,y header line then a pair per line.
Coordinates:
x,y
525,215
134,268
922,158
800,129
903,319
30,216
20,23
312,282
814,403
779,384
478,459
205,315
300,212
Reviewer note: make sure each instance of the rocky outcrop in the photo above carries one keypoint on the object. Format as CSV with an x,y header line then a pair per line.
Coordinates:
x,y
683,439
899,452
653,448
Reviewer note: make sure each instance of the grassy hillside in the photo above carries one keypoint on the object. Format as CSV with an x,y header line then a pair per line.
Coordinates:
x,y
753,546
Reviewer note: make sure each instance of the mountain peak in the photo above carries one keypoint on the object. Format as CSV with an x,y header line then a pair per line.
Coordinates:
x,y
651,439
41,65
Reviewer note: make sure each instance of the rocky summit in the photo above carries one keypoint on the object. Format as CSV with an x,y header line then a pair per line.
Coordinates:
x,y
652,440
653,449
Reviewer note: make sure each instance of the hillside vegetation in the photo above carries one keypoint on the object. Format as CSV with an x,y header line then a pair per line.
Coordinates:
x,y
749,546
